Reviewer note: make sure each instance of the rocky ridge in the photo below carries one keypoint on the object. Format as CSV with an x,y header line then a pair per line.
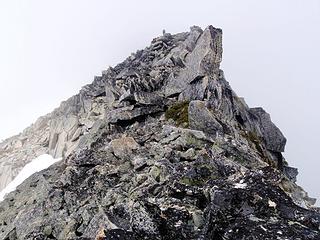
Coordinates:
x,y
158,147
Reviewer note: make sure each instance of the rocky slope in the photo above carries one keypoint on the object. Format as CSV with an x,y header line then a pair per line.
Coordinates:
x,y
158,147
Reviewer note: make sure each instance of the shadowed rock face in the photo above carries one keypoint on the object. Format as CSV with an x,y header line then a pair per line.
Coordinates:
x,y
158,147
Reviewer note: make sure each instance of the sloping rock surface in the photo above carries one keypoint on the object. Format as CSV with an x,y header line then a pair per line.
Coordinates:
x,y
158,147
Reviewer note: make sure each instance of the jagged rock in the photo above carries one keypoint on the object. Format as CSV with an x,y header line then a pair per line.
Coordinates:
x,y
130,113
200,118
76,135
158,147
196,90
123,147
146,98
101,234
275,141
110,97
257,213
291,173
208,47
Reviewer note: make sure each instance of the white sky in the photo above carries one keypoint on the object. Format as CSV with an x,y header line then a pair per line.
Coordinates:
x,y
49,49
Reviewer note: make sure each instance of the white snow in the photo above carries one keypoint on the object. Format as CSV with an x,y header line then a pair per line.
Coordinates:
x,y
272,204
240,185
42,162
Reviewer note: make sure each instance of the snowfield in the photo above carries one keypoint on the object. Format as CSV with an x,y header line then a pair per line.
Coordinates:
x,y
42,162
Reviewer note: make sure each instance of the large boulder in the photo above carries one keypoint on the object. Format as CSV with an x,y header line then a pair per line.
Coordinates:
x,y
273,137
201,118
123,147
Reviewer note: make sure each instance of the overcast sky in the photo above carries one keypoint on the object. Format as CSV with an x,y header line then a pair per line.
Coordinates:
x,y
49,49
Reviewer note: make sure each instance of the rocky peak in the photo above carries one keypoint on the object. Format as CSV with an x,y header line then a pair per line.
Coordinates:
x,y
158,147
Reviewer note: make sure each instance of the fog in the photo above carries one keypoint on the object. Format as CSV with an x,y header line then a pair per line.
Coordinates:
x,y
49,49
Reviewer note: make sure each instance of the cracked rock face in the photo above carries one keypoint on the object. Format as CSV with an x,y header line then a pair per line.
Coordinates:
x,y
158,147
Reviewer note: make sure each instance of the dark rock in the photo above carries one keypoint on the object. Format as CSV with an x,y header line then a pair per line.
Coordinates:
x,y
291,173
275,141
130,113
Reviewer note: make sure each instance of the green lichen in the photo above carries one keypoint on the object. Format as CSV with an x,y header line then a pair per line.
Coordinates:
x,y
179,113
192,181
155,172
240,159
205,172
252,137
257,142
193,142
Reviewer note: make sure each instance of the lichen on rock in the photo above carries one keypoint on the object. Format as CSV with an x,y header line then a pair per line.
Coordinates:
x,y
179,113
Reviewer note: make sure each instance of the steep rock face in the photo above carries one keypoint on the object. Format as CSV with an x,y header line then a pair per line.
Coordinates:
x,y
160,147
57,133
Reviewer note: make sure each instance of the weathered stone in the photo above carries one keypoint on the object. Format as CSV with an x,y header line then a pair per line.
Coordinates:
x,y
146,98
208,48
101,234
110,96
47,231
201,118
123,147
155,173
198,220
130,113
196,90
189,154
275,141
76,135
291,173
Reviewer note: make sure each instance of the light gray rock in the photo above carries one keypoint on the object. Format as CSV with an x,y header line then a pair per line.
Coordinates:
x,y
110,96
196,90
131,113
146,98
201,118
205,58
123,147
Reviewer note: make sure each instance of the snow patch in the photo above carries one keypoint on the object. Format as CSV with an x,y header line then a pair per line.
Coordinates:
x,y
271,204
240,185
42,162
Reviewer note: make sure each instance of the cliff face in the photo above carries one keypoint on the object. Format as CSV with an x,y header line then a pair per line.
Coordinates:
x,y
158,147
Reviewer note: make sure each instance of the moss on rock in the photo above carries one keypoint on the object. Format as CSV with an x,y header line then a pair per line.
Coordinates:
x,y
204,173
253,138
179,113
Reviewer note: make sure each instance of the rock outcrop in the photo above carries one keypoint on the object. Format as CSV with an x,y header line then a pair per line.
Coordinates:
x,y
158,147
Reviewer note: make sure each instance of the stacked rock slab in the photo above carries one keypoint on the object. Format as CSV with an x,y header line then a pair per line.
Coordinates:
x,y
158,147
57,133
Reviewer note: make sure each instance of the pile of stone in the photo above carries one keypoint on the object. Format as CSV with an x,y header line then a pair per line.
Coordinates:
x,y
159,147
